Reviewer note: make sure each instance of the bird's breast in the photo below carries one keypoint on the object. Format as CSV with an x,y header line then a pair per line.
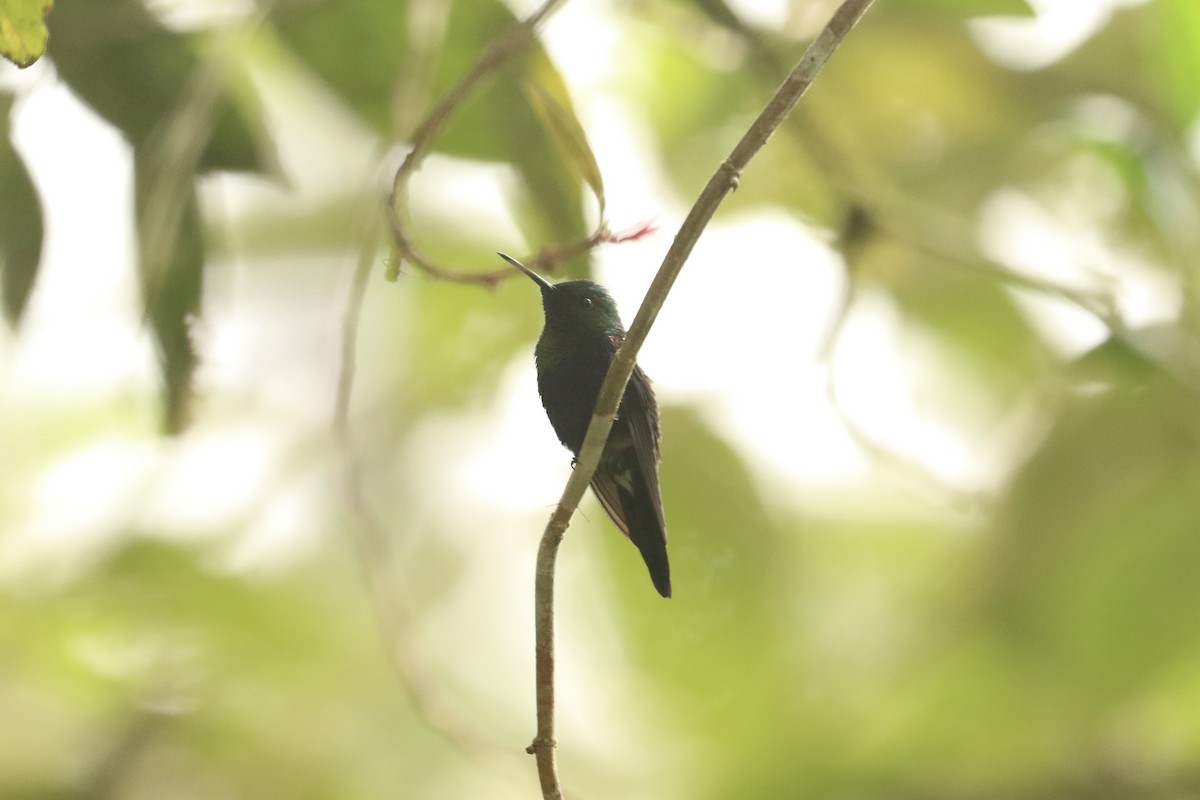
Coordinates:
x,y
569,385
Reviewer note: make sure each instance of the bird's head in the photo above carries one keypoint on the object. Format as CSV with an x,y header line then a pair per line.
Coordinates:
x,y
578,307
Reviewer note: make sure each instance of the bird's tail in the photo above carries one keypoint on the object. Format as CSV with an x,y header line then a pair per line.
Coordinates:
x,y
629,503
646,531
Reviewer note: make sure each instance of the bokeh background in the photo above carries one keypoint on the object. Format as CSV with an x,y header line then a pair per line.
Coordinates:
x,y
931,449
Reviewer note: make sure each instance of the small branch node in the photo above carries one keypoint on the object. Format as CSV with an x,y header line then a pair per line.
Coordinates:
x,y
733,174
540,743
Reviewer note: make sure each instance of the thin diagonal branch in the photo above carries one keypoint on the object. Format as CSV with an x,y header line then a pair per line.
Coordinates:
x,y
723,181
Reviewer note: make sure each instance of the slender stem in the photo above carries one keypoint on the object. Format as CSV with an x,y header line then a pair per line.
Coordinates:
x,y
724,180
543,745
369,534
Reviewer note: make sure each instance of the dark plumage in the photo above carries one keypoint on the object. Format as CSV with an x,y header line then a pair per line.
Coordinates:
x,y
582,333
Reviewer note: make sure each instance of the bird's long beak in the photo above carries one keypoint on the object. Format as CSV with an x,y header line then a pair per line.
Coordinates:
x,y
538,279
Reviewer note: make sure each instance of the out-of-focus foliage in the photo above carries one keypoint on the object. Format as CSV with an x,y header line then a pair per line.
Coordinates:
x,y
1178,59
569,138
23,30
498,124
142,77
183,117
20,229
212,627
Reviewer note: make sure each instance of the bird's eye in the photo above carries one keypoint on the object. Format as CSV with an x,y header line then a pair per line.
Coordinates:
x,y
587,302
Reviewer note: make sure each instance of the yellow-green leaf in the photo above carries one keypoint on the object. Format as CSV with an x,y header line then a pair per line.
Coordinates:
x,y
568,136
1176,58
23,30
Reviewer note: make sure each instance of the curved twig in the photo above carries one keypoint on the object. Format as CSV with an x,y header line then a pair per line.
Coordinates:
x,y
723,181
513,41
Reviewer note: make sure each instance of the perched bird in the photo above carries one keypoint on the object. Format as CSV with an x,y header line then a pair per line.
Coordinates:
x,y
581,336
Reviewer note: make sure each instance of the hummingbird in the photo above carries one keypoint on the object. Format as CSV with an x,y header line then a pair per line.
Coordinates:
x,y
578,343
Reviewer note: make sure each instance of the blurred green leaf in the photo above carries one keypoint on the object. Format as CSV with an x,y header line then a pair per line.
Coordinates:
x,y
166,670
1078,610
23,30
1094,574
20,228
1174,43
172,274
973,8
497,123
357,47
568,137
945,135
137,74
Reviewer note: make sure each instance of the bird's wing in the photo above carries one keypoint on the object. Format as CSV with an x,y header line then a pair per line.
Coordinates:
x,y
640,412
627,483
608,492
